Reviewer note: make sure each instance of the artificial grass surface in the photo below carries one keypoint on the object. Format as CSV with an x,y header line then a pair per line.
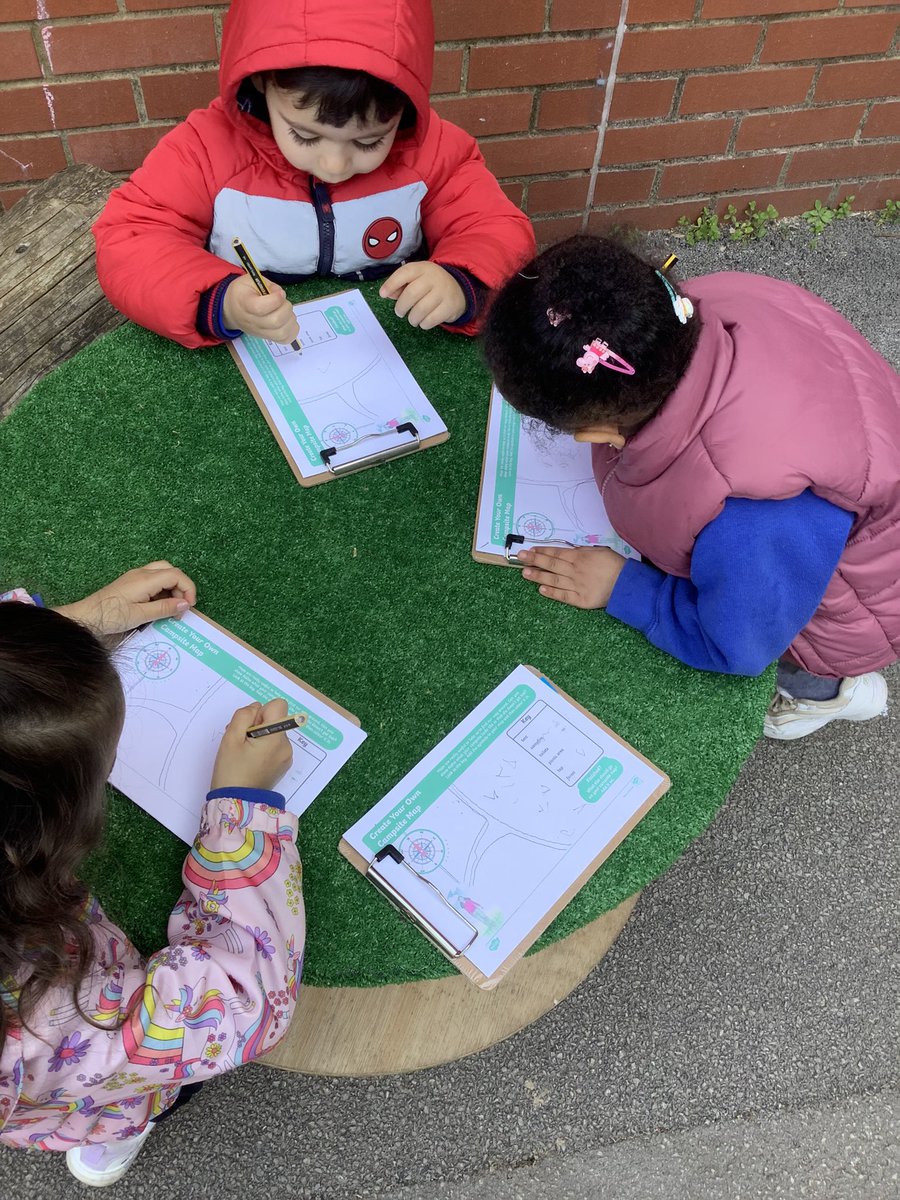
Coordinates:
x,y
138,449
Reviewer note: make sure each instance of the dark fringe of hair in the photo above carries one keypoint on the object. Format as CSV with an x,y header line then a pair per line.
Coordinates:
x,y
340,95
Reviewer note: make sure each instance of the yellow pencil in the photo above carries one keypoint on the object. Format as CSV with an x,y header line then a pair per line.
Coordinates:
x,y
669,263
253,271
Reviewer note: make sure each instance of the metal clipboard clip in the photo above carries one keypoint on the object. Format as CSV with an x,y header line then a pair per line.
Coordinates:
x,y
516,539
376,456
408,908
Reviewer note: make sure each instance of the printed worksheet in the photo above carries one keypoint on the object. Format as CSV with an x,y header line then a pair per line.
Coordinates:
x,y
540,485
183,681
507,812
349,394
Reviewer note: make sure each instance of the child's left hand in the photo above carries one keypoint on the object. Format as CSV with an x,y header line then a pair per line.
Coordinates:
x,y
583,578
426,294
144,594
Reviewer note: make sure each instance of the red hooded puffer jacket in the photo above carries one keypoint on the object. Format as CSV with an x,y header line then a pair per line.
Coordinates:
x,y
165,236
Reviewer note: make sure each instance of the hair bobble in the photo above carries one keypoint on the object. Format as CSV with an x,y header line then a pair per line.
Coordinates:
x,y
684,310
599,353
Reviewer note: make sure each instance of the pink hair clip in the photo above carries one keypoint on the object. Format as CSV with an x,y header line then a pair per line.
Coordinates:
x,y
556,316
599,352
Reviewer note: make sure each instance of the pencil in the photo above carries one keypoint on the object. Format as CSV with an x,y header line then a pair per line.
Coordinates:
x,y
253,271
295,721
669,263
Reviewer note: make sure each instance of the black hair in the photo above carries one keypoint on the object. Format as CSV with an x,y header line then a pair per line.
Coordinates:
x,y
340,95
603,290
61,711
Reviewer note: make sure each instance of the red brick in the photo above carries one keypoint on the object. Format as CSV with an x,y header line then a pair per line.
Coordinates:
x,y
745,89
787,203
883,121
514,192
144,5
830,37
584,14
869,3
18,55
674,139
540,155
604,14
28,10
636,99
726,175
447,71
22,159
10,196
761,8
858,80
844,162
571,108
142,42
527,63
645,216
68,106
549,230
116,149
680,49
633,99
485,114
464,20
767,131
557,195
873,196
175,95
624,187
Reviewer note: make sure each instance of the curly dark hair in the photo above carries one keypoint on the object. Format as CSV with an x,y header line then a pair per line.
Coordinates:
x,y
609,292
340,95
61,711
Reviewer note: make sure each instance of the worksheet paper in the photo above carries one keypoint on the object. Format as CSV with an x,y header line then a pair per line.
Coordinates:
x,y
539,484
348,382
509,810
183,681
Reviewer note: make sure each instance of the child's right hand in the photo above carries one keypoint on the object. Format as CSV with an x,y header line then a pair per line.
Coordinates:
x,y
269,316
253,762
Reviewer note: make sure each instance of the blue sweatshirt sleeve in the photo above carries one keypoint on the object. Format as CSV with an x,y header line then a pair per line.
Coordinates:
x,y
758,573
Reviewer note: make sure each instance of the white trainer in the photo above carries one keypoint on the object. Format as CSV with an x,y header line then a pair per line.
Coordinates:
x,y
860,698
100,1164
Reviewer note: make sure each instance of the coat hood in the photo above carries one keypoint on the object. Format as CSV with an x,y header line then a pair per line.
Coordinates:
x,y
390,39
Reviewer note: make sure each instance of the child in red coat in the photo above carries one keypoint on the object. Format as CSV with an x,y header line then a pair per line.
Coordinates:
x,y
323,155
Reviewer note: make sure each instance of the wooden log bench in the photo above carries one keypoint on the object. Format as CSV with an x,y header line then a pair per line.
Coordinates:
x,y
51,304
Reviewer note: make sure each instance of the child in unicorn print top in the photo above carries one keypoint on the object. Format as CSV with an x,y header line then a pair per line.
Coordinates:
x,y
97,1044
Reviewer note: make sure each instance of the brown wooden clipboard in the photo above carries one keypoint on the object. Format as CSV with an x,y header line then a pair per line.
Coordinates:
x,y
388,455
464,965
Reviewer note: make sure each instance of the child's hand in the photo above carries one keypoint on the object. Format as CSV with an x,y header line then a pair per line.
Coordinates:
x,y
253,762
142,595
583,578
262,316
426,294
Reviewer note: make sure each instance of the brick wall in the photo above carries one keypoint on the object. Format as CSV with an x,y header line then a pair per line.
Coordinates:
x,y
781,100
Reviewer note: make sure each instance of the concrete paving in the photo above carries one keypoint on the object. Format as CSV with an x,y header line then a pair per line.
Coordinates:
x,y
739,1042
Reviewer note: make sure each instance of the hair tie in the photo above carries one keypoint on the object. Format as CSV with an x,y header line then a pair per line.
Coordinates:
x,y
598,352
684,310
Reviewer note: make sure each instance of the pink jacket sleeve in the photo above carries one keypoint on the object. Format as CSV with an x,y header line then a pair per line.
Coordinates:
x,y
467,220
152,260
219,995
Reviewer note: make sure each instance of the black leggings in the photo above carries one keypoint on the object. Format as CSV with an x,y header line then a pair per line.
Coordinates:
x,y
185,1096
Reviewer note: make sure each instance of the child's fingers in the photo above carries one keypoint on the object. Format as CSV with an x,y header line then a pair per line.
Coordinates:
x,y
274,710
166,578
243,718
170,606
421,314
395,283
415,291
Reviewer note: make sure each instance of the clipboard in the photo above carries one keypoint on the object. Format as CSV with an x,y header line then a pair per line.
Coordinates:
x,y
356,453
419,900
182,681
532,528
